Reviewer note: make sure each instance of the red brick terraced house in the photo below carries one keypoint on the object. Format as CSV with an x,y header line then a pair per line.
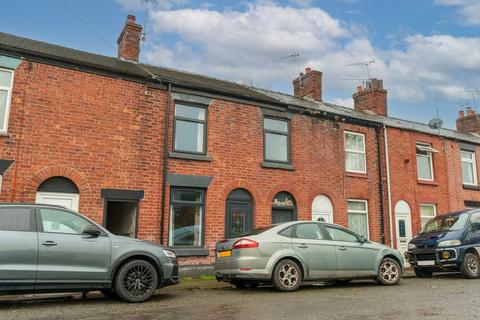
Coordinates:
x,y
186,160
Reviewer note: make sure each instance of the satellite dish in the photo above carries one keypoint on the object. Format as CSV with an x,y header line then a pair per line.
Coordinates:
x,y
435,123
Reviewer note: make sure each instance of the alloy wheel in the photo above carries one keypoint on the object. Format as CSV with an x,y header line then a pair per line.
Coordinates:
x,y
472,265
288,275
389,271
138,281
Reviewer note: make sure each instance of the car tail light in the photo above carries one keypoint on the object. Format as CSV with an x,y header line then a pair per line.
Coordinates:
x,y
245,243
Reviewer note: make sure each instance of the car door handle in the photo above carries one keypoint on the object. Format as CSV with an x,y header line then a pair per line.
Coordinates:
x,y
49,243
303,246
342,248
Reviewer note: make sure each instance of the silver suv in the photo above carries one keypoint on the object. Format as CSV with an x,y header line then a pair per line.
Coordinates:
x,y
46,248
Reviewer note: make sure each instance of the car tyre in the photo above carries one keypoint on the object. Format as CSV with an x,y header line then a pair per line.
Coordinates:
x,y
423,273
470,267
389,272
108,293
287,276
136,281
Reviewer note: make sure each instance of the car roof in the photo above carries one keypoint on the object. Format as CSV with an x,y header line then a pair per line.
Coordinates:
x,y
28,204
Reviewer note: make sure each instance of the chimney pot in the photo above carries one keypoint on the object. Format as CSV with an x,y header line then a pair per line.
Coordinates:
x,y
470,111
131,17
359,88
461,114
308,70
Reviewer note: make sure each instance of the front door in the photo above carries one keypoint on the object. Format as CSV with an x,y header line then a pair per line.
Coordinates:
x,y
67,200
404,232
239,218
68,257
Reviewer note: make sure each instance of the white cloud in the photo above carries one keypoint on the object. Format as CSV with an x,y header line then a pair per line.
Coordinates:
x,y
468,10
248,46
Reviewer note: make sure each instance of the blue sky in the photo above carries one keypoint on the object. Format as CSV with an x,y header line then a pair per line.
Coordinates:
x,y
427,52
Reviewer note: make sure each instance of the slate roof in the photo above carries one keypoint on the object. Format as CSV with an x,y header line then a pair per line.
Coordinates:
x,y
22,46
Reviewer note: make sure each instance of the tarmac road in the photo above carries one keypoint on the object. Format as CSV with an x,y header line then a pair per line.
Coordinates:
x,y
445,297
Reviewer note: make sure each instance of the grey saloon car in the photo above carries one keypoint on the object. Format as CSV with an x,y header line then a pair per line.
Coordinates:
x,y
292,252
47,248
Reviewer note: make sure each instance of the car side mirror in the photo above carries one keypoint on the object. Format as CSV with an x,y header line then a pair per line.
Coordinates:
x,y
92,230
362,239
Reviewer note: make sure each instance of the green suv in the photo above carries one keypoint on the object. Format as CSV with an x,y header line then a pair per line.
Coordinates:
x,y
47,248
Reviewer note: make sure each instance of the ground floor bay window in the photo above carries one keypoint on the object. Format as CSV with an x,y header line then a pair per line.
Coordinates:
x,y
186,217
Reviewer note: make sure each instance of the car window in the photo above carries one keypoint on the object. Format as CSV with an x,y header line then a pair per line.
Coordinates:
x,y
16,219
475,222
287,232
308,231
341,235
59,221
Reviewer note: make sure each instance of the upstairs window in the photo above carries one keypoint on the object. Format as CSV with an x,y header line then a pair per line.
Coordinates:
x,y
425,161
277,140
355,152
190,129
469,167
6,84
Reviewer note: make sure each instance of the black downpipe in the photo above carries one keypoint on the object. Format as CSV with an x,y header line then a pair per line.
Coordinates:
x,y
165,163
378,131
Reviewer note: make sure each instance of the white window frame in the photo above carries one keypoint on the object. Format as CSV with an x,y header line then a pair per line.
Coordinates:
x,y
345,133
429,217
425,147
473,163
9,100
360,211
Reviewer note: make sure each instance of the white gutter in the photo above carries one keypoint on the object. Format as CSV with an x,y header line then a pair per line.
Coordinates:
x,y
389,192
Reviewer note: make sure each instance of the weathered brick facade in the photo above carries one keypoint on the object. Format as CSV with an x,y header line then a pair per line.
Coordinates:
x,y
104,131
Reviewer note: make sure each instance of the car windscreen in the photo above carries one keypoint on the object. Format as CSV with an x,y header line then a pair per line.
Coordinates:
x,y
258,230
446,223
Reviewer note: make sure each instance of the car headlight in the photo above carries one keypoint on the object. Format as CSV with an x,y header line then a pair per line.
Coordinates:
x,y
449,243
411,246
170,254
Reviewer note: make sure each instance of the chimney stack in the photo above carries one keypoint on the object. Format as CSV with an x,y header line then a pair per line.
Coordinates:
x,y
129,40
371,97
309,85
468,123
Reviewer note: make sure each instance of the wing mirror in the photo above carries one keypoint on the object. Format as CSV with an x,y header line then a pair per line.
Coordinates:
x,y
92,230
362,239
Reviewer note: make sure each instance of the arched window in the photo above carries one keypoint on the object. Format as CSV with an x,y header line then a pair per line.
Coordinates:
x,y
59,191
239,213
322,209
284,208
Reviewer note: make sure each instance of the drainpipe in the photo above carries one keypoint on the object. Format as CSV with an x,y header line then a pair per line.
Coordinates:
x,y
389,191
165,162
380,183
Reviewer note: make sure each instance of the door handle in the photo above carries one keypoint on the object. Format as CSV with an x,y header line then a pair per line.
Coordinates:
x,y
342,248
49,243
303,246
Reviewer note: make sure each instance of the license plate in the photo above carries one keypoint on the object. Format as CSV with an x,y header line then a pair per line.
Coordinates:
x,y
426,263
224,254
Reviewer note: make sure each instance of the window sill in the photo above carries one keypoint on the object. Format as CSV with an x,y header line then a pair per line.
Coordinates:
x,y
276,165
190,252
357,175
470,187
427,182
189,156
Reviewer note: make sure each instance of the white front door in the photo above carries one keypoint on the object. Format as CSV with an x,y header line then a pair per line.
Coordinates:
x,y
404,231
322,209
67,200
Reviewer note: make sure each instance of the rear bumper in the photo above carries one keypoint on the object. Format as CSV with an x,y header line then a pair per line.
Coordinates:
x,y
242,268
242,274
